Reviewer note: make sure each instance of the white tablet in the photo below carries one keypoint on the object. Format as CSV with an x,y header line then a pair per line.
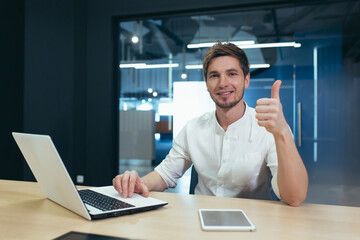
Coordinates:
x,y
225,220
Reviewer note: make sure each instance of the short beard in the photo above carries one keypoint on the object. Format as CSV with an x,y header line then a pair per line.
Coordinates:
x,y
227,105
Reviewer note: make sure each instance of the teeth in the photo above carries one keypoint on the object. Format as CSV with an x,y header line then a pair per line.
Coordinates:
x,y
224,93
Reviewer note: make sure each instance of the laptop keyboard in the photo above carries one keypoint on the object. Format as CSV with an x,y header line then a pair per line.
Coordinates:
x,y
102,201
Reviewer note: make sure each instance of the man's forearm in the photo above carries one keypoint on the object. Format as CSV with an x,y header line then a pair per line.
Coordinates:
x,y
154,182
292,176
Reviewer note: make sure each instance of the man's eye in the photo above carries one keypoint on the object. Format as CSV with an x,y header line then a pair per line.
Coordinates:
x,y
213,76
233,74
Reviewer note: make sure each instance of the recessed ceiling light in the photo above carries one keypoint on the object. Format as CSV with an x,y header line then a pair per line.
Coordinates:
x,y
135,39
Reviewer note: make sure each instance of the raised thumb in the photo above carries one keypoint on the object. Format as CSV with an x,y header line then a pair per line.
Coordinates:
x,y
275,89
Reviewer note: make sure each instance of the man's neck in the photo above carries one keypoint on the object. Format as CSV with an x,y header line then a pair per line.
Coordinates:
x,y
227,116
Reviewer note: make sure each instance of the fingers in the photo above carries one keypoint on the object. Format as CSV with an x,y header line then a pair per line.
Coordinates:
x,y
267,105
267,119
269,125
266,116
266,101
127,183
144,189
134,177
117,183
273,108
269,114
269,111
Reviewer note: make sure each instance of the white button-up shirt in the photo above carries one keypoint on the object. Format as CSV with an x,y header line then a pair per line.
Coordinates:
x,y
238,162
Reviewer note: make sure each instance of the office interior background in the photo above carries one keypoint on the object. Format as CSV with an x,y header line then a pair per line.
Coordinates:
x,y
113,82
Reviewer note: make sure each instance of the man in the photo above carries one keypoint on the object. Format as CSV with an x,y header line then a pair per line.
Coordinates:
x,y
238,151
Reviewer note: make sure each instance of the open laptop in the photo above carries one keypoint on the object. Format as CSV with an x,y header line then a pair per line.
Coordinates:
x,y
55,182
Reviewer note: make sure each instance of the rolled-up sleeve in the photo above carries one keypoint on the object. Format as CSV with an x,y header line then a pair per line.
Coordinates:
x,y
176,162
272,163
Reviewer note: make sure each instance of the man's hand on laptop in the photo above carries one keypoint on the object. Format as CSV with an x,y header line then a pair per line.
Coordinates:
x,y
129,183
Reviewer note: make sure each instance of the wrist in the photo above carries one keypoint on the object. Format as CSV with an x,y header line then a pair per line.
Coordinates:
x,y
283,133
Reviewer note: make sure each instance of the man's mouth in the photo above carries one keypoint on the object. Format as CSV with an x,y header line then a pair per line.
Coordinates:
x,y
224,93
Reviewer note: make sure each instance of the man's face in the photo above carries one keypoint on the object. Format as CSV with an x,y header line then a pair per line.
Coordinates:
x,y
225,81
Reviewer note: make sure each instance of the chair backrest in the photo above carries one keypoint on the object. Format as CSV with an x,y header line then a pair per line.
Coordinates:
x,y
271,192
193,180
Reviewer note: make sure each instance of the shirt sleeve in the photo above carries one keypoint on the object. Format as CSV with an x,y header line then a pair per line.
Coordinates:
x,y
176,162
272,163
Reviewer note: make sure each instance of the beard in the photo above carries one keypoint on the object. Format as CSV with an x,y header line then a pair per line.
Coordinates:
x,y
228,104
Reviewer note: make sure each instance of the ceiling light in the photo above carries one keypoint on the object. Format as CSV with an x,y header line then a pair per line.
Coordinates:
x,y
251,66
183,76
194,66
144,65
249,44
271,45
155,94
135,39
169,65
259,65
145,106
131,65
150,90
203,45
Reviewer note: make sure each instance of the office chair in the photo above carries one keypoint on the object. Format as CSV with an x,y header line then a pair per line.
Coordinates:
x,y
193,180
272,194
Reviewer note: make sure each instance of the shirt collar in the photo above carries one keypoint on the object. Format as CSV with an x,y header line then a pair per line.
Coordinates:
x,y
246,117
240,121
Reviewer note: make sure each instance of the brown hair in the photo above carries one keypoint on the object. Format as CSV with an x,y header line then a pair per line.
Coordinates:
x,y
226,49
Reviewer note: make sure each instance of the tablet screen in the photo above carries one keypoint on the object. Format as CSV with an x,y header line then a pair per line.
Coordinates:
x,y
225,219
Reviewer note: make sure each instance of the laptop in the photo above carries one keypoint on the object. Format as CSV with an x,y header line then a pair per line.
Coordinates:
x,y
91,203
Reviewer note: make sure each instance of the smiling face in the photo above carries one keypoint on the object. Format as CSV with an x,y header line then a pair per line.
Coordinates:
x,y
226,82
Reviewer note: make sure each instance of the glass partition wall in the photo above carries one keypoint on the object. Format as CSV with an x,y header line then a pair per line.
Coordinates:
x,y
314,50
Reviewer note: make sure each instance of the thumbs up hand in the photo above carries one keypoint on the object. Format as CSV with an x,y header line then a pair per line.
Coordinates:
x,y
269,111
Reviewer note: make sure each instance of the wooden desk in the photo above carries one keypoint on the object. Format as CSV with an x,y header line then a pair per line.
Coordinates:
x,y
26,214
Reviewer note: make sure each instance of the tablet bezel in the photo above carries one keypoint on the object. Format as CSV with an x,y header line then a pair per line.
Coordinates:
x,y
226,227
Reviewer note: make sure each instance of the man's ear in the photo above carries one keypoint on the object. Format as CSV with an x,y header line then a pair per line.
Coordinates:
x,y
207,89
247,80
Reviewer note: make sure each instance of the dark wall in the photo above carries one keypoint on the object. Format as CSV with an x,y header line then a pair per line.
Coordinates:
x,y
62,82
11,86
49,73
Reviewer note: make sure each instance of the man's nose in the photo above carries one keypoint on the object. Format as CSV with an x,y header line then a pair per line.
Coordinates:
x,y
223,81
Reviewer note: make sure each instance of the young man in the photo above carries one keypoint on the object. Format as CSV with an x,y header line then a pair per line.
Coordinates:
x,y
238,151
